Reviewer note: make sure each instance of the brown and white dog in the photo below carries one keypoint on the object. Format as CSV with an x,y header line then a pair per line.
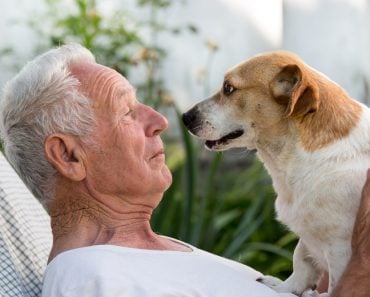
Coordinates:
x,y
314,141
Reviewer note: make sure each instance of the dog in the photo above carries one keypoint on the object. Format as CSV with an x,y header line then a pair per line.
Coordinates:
x,y
314,141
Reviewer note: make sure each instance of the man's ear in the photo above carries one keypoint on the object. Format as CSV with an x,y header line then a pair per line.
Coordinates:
x,y
65,153
296,92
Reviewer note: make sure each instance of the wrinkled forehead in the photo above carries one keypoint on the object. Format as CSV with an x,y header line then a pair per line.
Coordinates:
x,y
101,84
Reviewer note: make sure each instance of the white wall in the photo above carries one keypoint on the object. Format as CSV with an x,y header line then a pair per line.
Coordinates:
x,y
15,33
240,28
331,35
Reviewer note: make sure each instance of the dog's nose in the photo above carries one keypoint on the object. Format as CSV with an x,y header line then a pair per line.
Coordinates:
x,y
188,117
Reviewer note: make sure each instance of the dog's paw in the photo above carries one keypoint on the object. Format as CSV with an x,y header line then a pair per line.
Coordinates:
x,y
269,281
287,286
310,293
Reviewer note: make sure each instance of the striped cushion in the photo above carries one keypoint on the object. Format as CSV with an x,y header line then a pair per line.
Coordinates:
x,y
25,237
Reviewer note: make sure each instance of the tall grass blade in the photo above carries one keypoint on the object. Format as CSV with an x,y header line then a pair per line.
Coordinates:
x,y
201,214
241,238
190,179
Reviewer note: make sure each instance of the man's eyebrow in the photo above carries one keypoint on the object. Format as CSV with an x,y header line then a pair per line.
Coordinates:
x,y
122,92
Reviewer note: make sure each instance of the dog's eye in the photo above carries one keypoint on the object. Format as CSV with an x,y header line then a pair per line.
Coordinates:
x,y
228,89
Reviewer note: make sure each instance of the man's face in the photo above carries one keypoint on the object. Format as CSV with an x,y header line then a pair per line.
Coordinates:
x,y
128,160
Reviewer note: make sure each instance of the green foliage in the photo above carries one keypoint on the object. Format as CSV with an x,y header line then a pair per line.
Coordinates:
x,y
118,40
228,211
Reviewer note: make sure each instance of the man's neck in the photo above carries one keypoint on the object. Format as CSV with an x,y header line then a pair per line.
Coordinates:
x,y
83,221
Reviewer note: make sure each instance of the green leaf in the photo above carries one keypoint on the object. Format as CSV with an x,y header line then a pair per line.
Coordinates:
x,y
190,178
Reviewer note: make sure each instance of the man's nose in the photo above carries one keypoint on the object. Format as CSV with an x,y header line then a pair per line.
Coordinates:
x,y
157,123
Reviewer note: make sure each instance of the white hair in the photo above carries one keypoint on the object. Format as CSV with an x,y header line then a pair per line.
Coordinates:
x,y
43,99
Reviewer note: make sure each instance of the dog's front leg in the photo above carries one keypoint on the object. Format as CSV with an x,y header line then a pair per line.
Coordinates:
x,y
305,274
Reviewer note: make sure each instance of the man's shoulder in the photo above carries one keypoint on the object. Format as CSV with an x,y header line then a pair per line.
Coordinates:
x,y
85,257
85,270
94,259
136,272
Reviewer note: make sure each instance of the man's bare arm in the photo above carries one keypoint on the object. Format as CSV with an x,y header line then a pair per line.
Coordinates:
x,y
356,279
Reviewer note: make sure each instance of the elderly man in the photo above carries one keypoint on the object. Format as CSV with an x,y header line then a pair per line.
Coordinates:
x,y
93,156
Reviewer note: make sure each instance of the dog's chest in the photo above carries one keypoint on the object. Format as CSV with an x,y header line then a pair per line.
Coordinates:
x,y
321,201
295,213
319,192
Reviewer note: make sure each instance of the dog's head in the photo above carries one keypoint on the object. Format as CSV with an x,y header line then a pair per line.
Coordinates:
x,y
258,97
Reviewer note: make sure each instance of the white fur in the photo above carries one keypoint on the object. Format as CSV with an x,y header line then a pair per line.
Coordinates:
x,y
319,187
318,197
318,192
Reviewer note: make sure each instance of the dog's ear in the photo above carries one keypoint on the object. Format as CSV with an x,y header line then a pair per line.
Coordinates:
x,y
296,92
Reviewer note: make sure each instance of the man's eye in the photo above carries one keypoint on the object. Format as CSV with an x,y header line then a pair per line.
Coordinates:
x,y
128,113
228,89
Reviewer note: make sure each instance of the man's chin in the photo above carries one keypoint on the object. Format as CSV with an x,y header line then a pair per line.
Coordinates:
x,y
167,176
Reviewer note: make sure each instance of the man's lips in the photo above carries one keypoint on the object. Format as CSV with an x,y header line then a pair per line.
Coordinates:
x,y
159,153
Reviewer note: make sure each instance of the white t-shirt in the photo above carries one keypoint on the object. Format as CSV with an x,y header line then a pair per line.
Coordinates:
x,y
115,271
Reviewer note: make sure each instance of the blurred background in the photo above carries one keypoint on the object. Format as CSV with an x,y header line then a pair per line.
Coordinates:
x,y
176,53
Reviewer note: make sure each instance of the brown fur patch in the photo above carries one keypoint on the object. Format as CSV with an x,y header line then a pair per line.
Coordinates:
x,y
337,116
326,113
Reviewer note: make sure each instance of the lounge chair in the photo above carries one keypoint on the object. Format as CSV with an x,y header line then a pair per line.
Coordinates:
x,y
25,237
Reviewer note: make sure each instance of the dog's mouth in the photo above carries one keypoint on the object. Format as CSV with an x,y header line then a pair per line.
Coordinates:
x,y
224,140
